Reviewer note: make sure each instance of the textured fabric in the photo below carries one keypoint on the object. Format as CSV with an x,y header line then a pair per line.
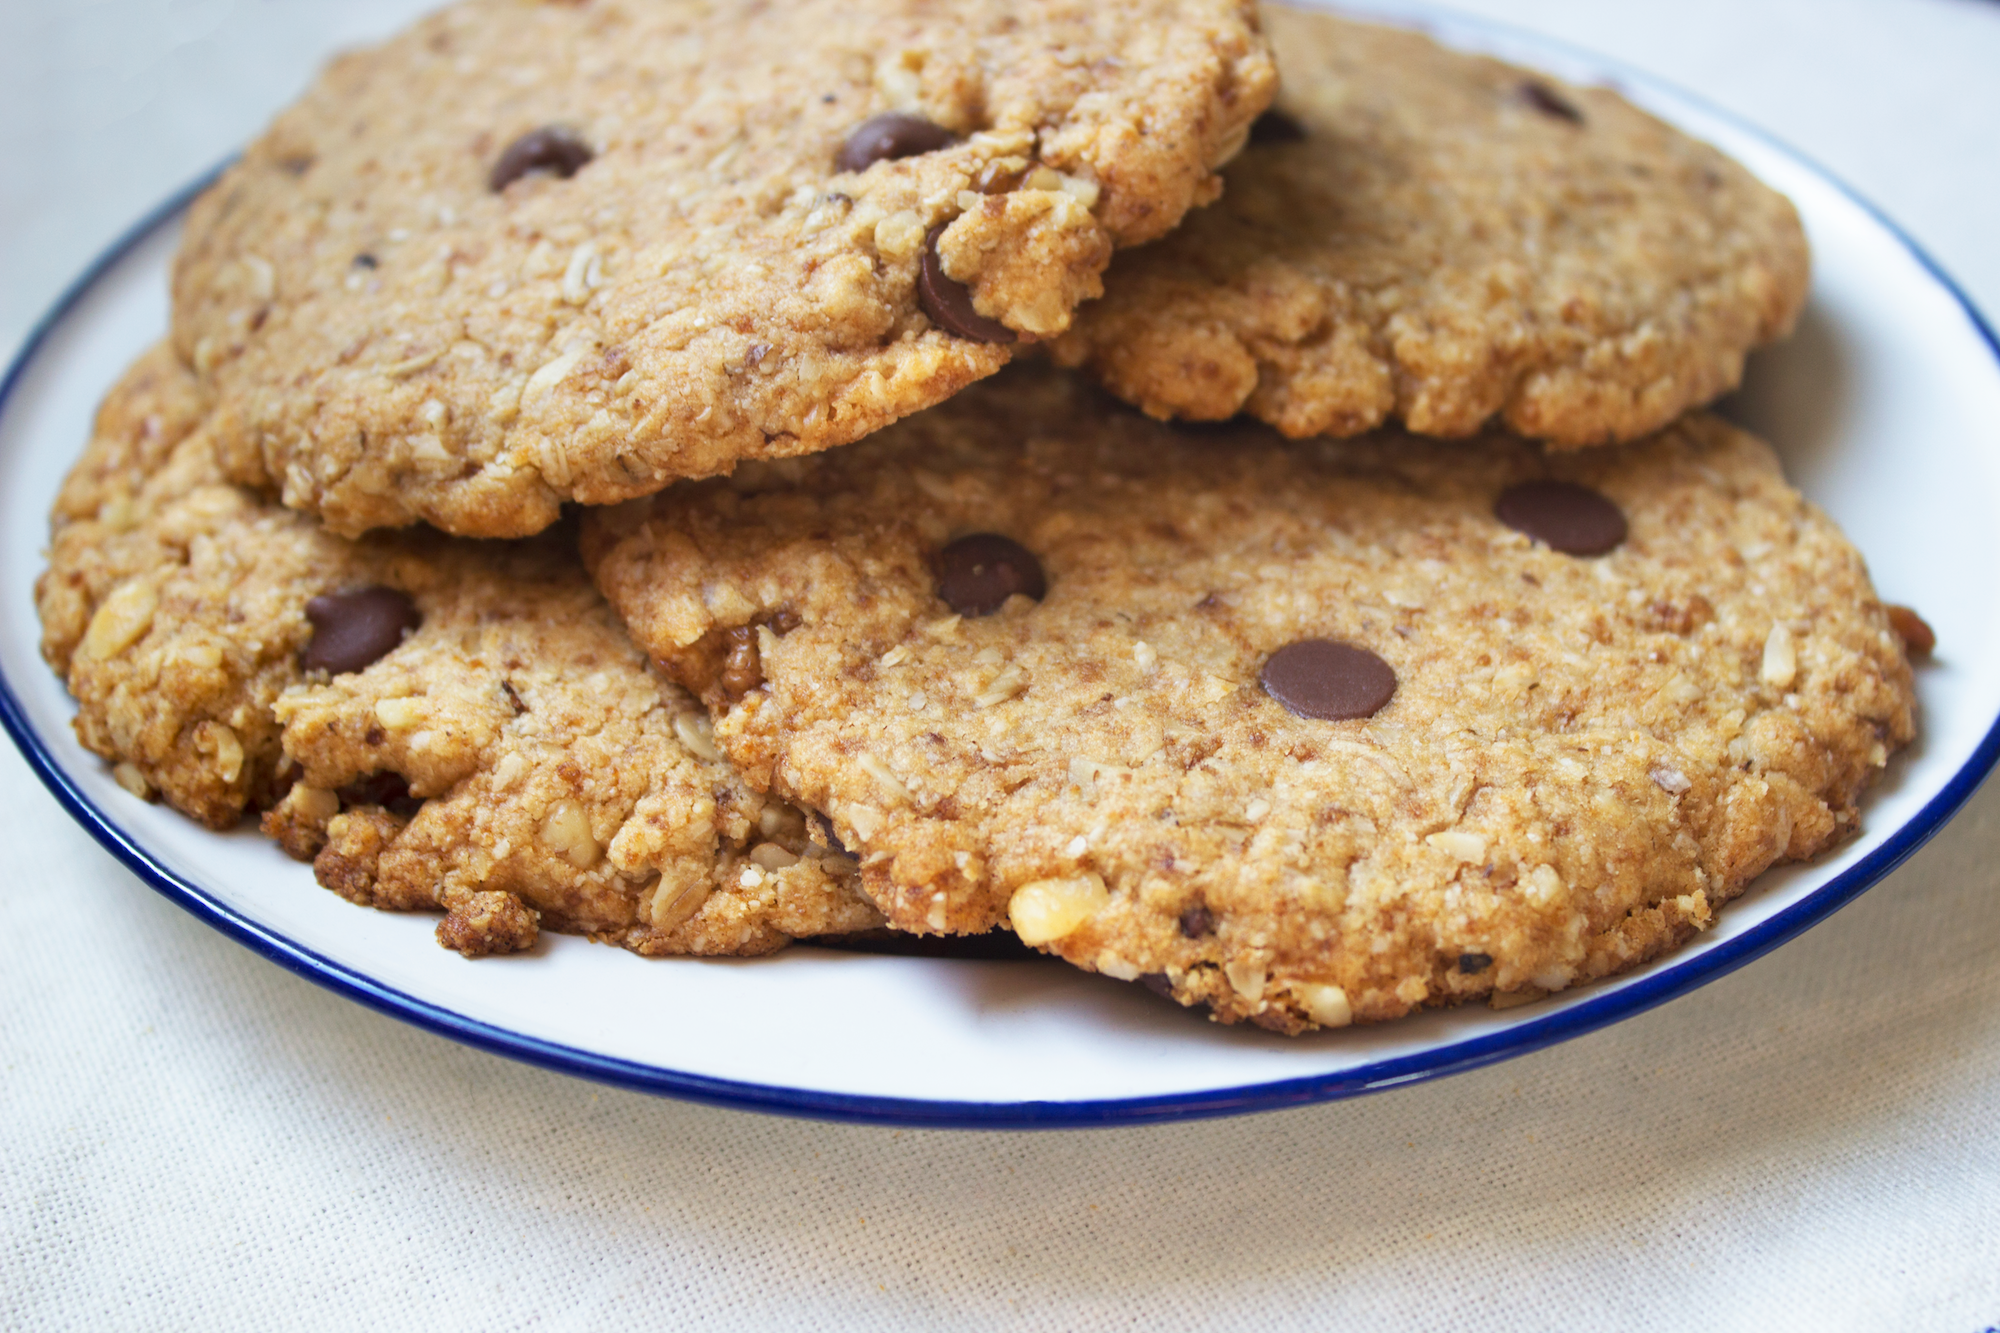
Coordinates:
x,y
192,1138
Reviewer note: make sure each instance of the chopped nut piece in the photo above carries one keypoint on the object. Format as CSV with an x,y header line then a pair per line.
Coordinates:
x,y
566,832
121,621
1781,659
1048,909
1325,1005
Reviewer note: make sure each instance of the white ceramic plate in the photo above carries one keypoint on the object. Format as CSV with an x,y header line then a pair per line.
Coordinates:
x,y
1886,407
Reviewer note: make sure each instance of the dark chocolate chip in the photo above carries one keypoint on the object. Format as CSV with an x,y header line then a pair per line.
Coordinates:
x,y
1274,126
1159,983
1197,921
354,628
391,791
1550,102
551,149
1562,515
365,260
889,136
977,574
1327,680
1474,962
948,301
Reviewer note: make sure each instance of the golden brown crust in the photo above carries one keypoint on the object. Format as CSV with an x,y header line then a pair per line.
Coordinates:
x,y
1446,247
1582,760
516,743
391,338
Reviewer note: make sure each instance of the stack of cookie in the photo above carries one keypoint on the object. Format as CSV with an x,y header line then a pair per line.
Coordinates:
x,y
587,489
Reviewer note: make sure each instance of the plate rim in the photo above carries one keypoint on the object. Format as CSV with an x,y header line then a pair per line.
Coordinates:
x,y
1674,979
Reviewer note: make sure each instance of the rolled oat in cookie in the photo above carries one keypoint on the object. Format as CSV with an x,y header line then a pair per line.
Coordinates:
x,y
1307,732
529,252
435,723
1451,242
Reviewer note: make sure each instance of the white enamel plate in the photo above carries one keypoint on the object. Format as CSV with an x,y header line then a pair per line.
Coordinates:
x,y
1886,407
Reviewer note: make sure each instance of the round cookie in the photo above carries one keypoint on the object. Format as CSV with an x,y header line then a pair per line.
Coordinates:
x,y
1450,241
534,252
433,722
1122,684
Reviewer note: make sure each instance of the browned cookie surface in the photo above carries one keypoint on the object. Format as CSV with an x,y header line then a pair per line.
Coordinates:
x,y
1449,241
1303,731
436,722
529,252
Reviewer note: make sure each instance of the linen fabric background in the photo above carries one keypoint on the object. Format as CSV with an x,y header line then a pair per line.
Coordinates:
x,y
192,1137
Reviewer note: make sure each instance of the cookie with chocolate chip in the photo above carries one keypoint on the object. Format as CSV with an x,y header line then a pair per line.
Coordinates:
x,y
1454,243
1308,732
531,252
432,722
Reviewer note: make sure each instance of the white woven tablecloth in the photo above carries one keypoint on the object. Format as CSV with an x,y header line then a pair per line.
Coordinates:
x,y
191,1137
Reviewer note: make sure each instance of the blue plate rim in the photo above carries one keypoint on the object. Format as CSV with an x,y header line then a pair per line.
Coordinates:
x,y
1575,1020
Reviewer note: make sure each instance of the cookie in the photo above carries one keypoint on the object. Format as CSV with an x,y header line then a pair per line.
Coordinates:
x,y
433,722
534,252
1451,242
1306,732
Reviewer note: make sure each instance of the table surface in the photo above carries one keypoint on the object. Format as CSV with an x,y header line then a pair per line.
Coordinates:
x,y
190,1136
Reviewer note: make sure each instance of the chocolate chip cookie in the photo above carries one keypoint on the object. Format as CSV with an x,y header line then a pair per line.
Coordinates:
x,y
433,722
1452,242
534,252
1308,732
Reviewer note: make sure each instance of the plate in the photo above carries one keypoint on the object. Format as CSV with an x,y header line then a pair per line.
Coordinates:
x,y
1885,406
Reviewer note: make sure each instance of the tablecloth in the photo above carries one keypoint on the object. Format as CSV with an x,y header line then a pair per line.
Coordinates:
x,y
192,1137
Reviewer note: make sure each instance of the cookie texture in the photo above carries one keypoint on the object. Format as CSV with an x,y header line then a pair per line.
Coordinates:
x,y
533,251
1451,242
1579,759
503,752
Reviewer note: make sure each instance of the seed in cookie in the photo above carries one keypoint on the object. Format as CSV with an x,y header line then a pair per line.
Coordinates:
x,y
1911,628
1334,682
977,574
1562,515
354,628
949,304
887,137
1274,126
552,150
1549,102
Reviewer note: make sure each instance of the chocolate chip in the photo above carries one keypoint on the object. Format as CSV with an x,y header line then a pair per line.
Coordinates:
x,y
365,260
1550,102
949,302
1330,681
354,628
1197,921
977,574
1474,962
1159,983
391,791
889,136
1570,518
551,149
1917,636
1274,126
